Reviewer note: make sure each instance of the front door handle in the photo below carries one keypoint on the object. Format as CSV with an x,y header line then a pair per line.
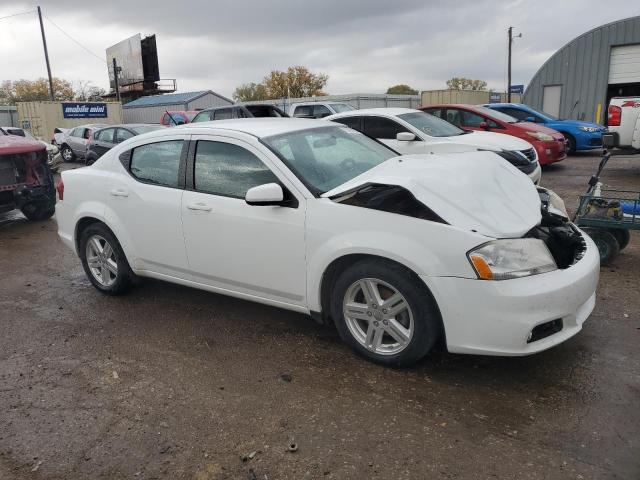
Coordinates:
x,y
199,206
119,192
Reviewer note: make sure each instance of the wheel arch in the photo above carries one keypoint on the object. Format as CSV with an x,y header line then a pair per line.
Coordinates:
x,y
87,220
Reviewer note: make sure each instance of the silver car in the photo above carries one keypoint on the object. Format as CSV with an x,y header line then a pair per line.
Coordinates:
x,y
73,144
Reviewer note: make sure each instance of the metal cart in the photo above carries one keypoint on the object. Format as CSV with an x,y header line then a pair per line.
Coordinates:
x,y
608,215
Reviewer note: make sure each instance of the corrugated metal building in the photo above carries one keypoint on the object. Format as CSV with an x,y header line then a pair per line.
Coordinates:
x,y
150,109
8,116
579,79
356,100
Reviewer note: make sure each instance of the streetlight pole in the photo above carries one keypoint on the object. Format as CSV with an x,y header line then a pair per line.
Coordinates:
x,y
510,37
46,54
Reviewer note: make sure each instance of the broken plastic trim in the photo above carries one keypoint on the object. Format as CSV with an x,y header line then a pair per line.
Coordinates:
x,y
387,198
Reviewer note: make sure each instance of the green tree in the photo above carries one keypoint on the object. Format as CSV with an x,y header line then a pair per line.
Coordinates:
x,y
35,90
85,91
461,83
401,89
249,92
294,82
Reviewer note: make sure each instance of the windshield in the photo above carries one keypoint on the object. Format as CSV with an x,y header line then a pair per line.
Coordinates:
x,y
431,125
503,117
326,157
341,107
146,128
544,114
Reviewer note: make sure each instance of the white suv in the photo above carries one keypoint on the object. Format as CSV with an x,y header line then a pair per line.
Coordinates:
x,y
318,109
312,216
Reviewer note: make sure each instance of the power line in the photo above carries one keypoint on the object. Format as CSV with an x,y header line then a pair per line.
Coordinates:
x,y
16,14
75,41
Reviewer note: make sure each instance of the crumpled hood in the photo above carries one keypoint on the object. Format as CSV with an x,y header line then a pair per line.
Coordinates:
x,y
475,191
492,141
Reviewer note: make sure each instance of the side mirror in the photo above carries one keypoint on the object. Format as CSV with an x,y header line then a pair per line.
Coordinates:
x,y
530,119
267,194
484,125
405,137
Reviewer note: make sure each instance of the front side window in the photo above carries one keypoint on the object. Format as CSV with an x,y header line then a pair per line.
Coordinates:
x,y
381,127
488,112
223,114
123,135
106,135
452,115
157,163
228,170
471,119
77,132
326,157
436,112
432,126
202,117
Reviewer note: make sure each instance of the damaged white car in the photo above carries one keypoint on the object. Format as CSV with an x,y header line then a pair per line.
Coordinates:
x,y
397,252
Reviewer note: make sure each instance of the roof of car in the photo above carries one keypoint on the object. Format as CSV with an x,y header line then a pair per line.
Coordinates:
x,y
258,127
514,105
132,125
376,111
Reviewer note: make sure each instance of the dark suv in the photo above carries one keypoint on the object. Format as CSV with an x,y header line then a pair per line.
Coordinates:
x,y
105,139
250,110
26,182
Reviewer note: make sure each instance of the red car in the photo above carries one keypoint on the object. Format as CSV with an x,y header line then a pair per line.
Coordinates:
x,y
177,117
26,182
549,144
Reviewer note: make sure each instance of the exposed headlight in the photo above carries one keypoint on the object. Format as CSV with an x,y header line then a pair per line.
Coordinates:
x,y
512,258
589,129
557,203
543,137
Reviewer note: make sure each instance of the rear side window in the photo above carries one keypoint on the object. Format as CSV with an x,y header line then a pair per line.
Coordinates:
x,y
123,135
228,170
105,135
321,111
351,122
223,114
380,127
303,111
157,163
516,113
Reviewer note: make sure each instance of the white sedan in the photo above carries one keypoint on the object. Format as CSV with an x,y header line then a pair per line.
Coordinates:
x,y
410,131
311,216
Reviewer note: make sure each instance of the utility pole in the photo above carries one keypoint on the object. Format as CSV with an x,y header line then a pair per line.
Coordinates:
x,y
46,54
510,36
115,78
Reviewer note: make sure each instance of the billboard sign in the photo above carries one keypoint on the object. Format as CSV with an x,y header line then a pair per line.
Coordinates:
x,y
517,89
128,55
495,97
84,110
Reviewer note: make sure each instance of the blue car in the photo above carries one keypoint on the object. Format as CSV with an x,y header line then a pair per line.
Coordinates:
x,y
579,135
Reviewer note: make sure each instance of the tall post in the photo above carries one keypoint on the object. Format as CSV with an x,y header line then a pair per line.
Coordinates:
x,y
115,79
46,54
510,34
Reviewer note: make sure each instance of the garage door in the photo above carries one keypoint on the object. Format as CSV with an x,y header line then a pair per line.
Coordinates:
x,y
551,99
624,66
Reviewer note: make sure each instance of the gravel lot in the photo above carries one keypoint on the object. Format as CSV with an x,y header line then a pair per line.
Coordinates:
x,y
171,383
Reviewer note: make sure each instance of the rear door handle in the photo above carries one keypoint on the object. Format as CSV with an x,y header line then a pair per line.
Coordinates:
x,y
199,206
119,192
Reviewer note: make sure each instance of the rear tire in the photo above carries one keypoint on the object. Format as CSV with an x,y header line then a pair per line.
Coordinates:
x,y
36,212
606,242
67,154
104,261
384,313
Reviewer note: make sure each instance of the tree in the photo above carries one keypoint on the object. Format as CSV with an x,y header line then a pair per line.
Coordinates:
x,y
295,82
250,92
35,90
401,89
461,83
85,91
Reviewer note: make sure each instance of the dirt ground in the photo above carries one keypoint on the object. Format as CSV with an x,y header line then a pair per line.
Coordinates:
x,y
171,383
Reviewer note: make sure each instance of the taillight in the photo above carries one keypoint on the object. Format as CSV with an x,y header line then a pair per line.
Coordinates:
x,y
614,115
60,189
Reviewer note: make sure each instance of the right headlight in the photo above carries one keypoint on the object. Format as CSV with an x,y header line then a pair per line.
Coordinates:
x,y
511,258
543,137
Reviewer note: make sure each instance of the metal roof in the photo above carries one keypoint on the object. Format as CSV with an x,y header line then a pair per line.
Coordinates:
x,y
169,99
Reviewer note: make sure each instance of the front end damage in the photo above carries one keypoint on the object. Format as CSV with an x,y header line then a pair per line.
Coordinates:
x,y
26,183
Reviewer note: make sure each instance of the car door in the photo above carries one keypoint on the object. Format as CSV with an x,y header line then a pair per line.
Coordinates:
x,y
385,130
123,134
76,141
145,203
256,251
103,141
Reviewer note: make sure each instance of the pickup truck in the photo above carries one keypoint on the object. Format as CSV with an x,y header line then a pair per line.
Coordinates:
x,y
623,120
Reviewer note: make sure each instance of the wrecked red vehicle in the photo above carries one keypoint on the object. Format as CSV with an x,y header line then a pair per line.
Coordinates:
x,y
26,182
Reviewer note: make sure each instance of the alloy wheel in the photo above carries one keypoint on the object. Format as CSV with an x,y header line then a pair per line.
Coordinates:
x,y
378,316
67,154
101,260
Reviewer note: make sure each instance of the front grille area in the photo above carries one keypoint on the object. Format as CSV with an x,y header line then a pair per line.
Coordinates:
x,y
545,330
530,154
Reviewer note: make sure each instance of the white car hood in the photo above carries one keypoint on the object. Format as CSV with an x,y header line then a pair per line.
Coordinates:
x,y
475,191
492,141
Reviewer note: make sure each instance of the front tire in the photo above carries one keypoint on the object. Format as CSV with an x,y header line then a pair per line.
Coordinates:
x,y
384,313
104,261
67,153
571,144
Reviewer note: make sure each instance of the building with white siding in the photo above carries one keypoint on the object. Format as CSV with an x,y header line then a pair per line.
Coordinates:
x,y
150,109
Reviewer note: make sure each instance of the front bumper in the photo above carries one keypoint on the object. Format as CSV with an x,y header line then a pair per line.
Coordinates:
x,y
497,317
536,175
551,152
589,140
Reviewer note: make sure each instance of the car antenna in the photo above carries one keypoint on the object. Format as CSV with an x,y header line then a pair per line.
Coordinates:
x,y
171,117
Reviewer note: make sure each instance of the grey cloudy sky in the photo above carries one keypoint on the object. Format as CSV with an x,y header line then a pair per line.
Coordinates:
x,y
363,45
